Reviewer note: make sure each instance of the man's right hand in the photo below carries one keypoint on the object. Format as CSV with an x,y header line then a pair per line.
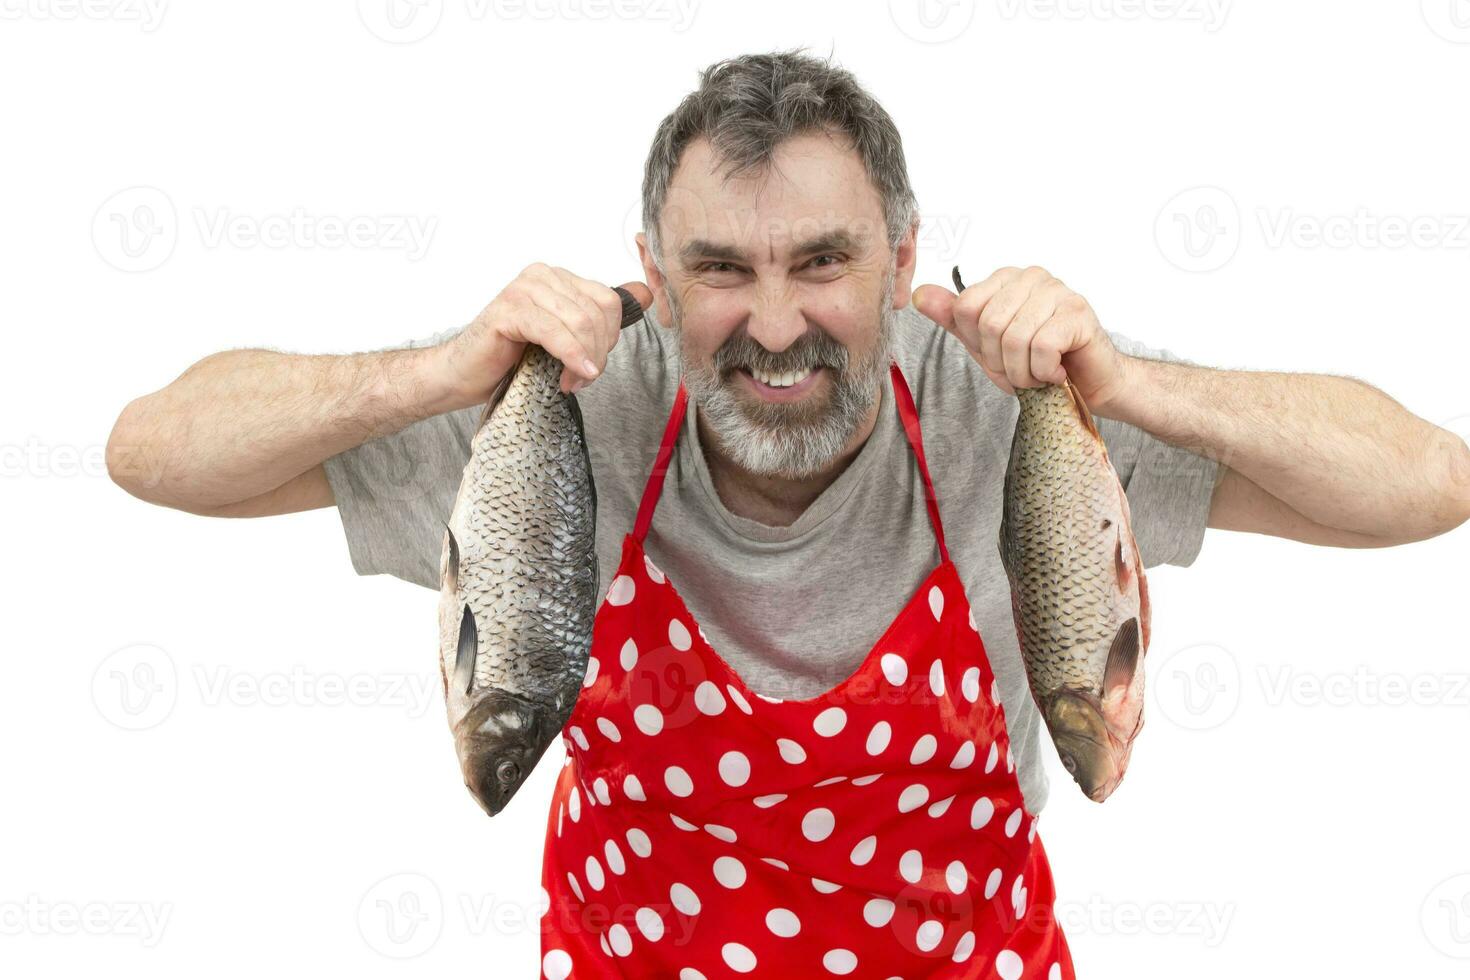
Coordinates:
x,y
575,320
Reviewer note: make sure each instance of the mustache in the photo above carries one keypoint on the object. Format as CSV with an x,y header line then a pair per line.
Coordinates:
x,y
813,349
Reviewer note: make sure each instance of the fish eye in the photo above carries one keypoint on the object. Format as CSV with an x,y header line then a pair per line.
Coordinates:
x,y
1070,764
507,772
1106,524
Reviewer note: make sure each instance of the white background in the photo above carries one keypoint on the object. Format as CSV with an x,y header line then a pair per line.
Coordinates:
x,y
186,794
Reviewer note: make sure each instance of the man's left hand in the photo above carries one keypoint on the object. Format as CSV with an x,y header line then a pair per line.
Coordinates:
x,y
1027,329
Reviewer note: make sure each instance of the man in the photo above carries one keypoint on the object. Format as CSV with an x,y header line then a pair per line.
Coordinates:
x,y
779,252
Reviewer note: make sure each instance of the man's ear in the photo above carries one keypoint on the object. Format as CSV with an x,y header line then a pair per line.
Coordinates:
x,y
655,279
905,259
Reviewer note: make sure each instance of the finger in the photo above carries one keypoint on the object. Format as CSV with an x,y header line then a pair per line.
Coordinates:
x,y
995,320
577,324
1021,334
1056,336
936,303
598,332
550,332
970,303
999,379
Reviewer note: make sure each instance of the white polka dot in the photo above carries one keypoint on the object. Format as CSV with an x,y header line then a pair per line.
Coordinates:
x,y
587,680
1013,822
614,857
965,948
777,863
863,852
738,698
681,823
544,905
595,877
911,866
1055,973
895,668
633,788
620,593
684,898
913,797
679,637
938,808
599,789
729,871
825,887
817,825
606,949
992,884
928,935
993,757
1017,887
1031,830
839,961
829,781
734,768
970,684
981,813
791,751
559,812
556,965
1008,965
650,720
619,940
650,923
639,842
936,678
924,750
766,802
878,912
956,877
576,886
737,957
995,691
574,805
1010,760
678,781
879,738
973,626
690,973
720,832
580,737
830,722
654,572
865,780
963,756
708,699
628,655
783,923
936,601
609,730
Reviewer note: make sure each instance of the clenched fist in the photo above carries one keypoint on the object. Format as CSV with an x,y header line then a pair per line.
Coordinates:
x,y
1026,328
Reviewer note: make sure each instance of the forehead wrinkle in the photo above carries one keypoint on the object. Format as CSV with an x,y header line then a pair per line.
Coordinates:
x,y
835,240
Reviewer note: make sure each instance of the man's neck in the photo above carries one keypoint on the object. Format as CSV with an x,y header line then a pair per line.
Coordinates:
x,y
768,500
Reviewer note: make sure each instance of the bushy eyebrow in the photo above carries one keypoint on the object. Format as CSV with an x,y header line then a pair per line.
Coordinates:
x,y
837,240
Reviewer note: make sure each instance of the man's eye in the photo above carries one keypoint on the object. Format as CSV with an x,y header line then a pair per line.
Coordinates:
x,y
716,267
820,257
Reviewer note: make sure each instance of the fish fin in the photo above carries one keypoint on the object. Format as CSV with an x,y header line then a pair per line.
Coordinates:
x,y
1121,560
1083,412
1144,611
500,389
1122,657
469,648
958,282
451,564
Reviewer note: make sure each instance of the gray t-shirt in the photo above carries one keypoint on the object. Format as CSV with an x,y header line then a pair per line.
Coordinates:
x,y
794,610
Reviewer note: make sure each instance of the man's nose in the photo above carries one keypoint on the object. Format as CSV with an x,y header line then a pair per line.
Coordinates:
x,y
776,320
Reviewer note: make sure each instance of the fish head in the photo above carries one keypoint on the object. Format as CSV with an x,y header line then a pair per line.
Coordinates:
x,y
1089,748
500,740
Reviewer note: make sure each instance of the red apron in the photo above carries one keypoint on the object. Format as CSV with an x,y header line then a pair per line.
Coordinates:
x,y
699,830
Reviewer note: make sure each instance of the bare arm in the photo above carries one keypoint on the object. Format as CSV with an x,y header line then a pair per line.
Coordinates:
x,y
243,433
1315,458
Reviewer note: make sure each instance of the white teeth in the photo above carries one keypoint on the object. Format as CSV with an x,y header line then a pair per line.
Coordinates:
x,y
781,380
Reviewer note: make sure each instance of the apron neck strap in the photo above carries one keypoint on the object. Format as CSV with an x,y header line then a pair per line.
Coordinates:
x,y
906,412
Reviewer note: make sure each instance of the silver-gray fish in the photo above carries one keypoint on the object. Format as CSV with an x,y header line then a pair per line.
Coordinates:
x,y
1079,595
519,579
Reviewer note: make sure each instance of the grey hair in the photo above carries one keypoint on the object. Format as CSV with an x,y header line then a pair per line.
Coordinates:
x,y
746,106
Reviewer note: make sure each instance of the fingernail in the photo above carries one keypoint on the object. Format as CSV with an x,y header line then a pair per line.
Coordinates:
x,y
589,367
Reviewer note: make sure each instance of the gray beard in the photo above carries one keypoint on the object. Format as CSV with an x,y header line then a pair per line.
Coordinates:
x,y
780,440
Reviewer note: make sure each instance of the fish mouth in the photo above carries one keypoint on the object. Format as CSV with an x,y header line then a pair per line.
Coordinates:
x,y
499,741
1093,751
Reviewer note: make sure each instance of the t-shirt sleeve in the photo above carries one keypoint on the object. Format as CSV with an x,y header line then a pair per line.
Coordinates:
x,y
394,493
1168,487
